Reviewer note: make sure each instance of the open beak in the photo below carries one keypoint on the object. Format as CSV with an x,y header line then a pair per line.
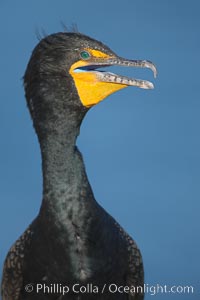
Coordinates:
x,y
109,77
94,85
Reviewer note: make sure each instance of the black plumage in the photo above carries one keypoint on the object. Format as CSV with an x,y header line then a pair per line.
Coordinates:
x,y
73,240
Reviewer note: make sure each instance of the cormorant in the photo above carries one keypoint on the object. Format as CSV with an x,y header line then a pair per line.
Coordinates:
x,y
73,249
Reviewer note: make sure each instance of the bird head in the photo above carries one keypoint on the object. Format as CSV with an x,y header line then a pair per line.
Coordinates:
x,y
64,72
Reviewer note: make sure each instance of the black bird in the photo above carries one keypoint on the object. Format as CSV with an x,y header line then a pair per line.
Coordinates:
x,y
73,249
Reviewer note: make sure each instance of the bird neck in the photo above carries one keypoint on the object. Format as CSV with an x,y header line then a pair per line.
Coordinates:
x,y
64,177
58,155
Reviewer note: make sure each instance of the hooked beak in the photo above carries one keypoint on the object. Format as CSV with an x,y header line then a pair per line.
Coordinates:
x,y
93,84
119,79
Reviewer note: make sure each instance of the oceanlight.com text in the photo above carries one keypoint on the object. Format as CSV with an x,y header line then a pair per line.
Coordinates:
x,y
62,289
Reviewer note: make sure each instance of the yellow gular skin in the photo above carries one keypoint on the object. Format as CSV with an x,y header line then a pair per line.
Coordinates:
x,y
97,53
90,89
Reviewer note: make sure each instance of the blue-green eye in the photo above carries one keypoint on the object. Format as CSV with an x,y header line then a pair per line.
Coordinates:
x,y
85,55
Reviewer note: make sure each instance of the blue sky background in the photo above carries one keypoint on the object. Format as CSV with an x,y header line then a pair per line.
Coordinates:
x,y
141,148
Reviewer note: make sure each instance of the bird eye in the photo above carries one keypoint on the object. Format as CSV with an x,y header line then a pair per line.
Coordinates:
x,y
85,55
